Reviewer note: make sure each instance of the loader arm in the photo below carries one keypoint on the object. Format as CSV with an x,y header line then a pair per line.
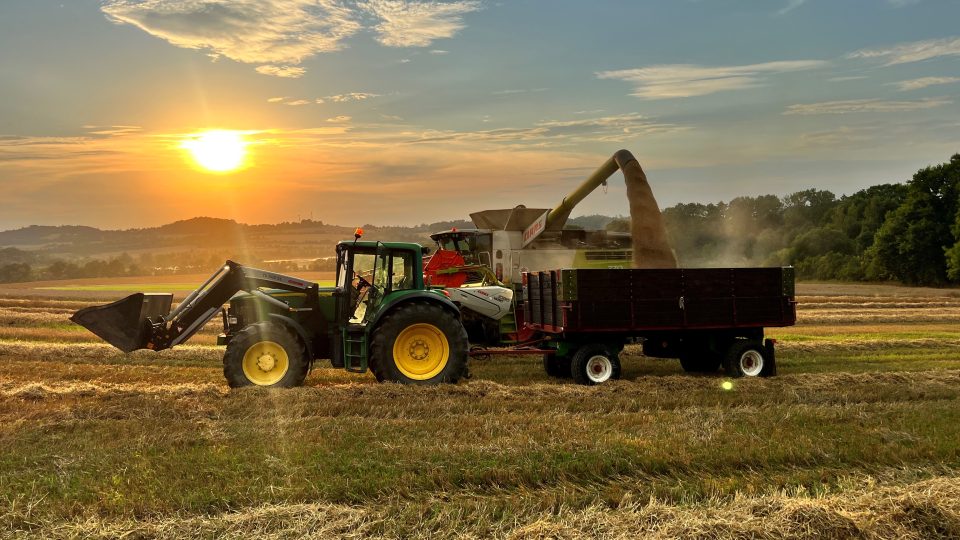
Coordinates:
x,y
142,321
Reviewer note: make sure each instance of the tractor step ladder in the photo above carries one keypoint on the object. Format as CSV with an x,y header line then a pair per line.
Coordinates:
x,y
508,324
355,348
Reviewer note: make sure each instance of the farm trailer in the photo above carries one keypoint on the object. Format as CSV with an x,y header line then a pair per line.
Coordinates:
x,y
705,317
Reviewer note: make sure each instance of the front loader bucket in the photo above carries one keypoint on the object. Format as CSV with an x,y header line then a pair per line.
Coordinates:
x,y
123,323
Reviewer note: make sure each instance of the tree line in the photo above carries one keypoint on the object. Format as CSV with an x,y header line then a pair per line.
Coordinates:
x,y
891,232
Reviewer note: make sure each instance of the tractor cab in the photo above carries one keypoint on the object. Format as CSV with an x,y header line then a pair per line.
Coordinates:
x,y
369,272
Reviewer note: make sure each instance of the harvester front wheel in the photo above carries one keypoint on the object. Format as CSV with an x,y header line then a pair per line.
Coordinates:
x,y
420,343
265,354
595,364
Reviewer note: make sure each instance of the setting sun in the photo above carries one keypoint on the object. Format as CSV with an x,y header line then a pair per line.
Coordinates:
x,y
217,150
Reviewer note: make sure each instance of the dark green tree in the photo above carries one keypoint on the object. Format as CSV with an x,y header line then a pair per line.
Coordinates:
x,y
913,243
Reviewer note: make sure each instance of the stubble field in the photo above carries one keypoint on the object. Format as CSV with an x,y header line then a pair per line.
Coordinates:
x,y
859,436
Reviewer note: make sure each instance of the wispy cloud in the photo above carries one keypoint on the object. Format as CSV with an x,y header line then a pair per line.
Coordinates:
x,y
843,136
289,72
845,78
338,98
791,5
689,80
912,52
553,132
418,24
351,96
519,91
112,131
342,119
278,36
923,82
865,105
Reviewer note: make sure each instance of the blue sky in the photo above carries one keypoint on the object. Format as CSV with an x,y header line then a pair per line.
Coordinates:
x,y
402,112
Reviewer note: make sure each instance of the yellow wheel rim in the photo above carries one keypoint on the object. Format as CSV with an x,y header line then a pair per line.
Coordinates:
x,y
265,363
421,351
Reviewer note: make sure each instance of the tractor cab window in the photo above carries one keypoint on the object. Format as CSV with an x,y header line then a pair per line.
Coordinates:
x,y
401,270
367,283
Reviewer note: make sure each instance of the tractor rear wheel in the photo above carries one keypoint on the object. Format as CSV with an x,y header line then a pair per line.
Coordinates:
x,y
419,343
265,354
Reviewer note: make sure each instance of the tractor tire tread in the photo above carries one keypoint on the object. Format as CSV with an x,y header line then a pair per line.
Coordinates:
x,y
389,328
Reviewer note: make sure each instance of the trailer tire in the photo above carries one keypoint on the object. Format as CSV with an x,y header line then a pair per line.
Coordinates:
x,y
265,354
746,358
419,343
556,366
595,364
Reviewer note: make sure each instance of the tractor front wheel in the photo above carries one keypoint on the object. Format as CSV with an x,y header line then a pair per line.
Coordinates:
x,y
419,343
265,354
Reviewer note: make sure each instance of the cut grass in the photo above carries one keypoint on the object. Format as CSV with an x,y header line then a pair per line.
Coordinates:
x,y
859,436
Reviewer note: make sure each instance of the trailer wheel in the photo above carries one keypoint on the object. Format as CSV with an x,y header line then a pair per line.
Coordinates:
x,y
419,343
265,354
556,366
594,364
746,358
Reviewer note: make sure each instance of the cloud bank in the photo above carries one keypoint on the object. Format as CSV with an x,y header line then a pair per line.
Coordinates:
x,y
864,105
916,51
279,35
689,80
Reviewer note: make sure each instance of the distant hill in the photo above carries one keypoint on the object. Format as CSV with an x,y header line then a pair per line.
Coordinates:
x,y
306,238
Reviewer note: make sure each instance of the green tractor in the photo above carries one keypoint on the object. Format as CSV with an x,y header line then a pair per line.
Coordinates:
x,y
379,316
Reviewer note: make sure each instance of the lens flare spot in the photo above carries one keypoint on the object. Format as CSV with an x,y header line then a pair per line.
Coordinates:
x,y
217,150
727,385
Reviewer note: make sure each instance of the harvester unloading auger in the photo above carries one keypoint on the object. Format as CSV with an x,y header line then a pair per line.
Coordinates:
x,y
651,249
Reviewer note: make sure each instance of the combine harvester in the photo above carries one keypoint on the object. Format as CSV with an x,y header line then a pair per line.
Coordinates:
x,y
408,323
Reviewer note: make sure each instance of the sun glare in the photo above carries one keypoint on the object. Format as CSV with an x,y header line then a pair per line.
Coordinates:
x,y
217,150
